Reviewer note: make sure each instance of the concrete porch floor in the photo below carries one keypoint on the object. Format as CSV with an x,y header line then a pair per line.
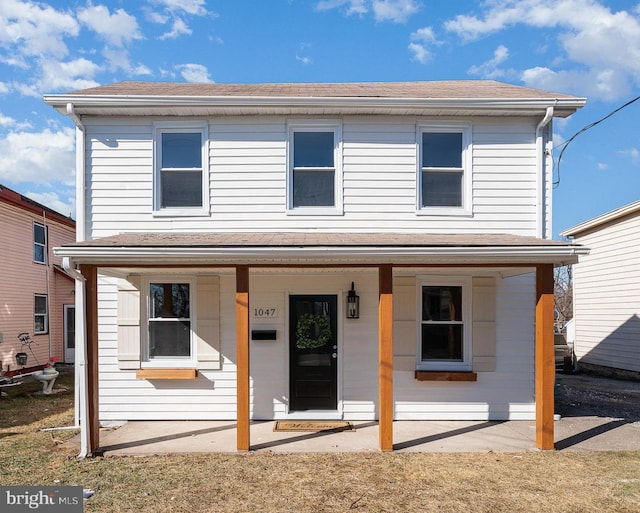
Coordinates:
x,y
138,438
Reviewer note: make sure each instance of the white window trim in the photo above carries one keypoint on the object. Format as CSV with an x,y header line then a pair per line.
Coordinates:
x,y
334,126
444,281
192,126
467,168
46,243
45,314
145,297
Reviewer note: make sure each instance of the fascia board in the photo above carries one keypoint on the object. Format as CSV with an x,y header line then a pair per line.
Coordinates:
x,y
81,102
618,213
364,255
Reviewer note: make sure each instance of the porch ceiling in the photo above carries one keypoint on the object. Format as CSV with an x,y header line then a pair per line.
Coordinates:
x,y
317,248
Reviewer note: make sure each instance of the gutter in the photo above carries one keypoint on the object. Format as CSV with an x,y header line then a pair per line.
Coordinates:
x,y
122,256
87,102
80,172
544,181
81,398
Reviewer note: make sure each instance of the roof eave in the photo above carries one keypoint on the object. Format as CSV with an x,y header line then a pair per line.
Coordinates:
x,y
595,222
92,104
366,255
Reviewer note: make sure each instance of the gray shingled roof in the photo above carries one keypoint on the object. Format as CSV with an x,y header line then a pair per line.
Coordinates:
x,y
314,239
441,89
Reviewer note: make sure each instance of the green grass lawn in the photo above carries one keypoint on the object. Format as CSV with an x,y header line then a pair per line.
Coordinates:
x,y
264,482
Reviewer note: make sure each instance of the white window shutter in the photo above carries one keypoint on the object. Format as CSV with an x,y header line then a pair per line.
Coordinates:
x,y
484,324
129,323
207,335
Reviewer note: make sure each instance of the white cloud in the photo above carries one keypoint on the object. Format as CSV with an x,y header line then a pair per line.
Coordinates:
x,y
602,166
194,73
352,6
30,29
490,69
421,38
397,11
40,157
70,75
178,28
65,206
598,44
4,88
304,60
6,120
633,154
195,7
117,29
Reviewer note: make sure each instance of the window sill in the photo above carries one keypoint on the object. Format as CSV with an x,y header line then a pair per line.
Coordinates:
x,y
168,212
166,374
445,376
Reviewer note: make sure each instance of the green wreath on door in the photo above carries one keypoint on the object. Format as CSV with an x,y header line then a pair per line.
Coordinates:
x,y
312,331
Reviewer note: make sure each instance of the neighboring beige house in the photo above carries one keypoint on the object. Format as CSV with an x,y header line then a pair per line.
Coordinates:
x,y
36,296
226,233
606,291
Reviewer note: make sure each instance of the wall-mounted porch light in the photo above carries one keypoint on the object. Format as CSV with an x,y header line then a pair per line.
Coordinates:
x,y
353,304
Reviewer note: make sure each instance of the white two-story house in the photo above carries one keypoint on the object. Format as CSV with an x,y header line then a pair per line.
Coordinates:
x,y
369,251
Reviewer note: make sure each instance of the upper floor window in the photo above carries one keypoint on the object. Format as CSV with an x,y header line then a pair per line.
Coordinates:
x,y
181,186
39,243
445,170
444,332
314,180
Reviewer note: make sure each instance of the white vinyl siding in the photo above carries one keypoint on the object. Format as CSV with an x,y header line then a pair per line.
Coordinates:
x,y
607,296
248,170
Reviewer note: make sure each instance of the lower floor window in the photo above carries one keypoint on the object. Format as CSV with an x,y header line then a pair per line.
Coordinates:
x,y
443,338
40,317
169,320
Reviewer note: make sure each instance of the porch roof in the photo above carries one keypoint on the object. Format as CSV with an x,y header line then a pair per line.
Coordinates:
x,y
319,248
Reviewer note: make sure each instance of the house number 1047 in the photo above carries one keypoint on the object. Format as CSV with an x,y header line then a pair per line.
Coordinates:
x,y
265,312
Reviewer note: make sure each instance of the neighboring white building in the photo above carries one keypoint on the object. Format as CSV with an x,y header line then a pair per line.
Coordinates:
x,y
221,227
606,291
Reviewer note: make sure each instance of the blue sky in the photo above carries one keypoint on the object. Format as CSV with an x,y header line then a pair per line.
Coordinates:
x,y
588,48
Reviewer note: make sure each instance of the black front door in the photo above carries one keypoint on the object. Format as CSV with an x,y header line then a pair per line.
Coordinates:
x,y
313,352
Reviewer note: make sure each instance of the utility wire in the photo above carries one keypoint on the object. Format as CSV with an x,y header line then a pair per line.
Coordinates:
x,y
565,144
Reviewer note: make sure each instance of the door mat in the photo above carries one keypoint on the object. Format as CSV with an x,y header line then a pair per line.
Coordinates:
x,y
313,426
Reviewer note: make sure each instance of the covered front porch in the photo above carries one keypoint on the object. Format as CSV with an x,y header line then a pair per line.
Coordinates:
x,y
384,253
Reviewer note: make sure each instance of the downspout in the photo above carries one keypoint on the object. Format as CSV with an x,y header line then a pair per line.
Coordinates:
x,y
541,172
80,174
81,396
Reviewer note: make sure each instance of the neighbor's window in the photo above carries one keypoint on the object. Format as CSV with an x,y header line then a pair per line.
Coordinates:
x,y
180,170
40,314
314,178
444,338
169,320
39,243
444,172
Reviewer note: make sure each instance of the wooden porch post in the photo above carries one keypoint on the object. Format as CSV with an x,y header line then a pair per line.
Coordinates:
x,y
545,358
242,356
385,357
90,272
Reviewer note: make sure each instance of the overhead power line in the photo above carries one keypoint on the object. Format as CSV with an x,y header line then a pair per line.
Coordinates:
x,y
565,144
